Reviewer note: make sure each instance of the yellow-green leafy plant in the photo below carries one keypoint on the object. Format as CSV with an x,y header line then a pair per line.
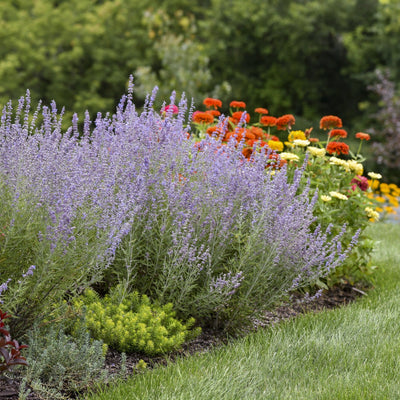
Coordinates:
x,y
129,322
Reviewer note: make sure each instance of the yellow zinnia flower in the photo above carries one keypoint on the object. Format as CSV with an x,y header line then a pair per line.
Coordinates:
x,y
373,175
356,167
289,157
275,145
316,151
384,188
301,143
371,213
326,198
338,195
294,135
390,210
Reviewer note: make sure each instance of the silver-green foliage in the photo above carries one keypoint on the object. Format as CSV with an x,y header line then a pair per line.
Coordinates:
x,y
60,364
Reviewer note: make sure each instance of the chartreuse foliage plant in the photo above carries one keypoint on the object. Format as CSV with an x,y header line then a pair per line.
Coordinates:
x,y
132,323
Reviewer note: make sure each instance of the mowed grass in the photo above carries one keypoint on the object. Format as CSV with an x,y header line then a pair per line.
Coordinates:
x,y
348,353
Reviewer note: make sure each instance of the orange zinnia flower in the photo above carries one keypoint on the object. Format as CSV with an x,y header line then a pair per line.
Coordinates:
x,y
210,102
236,116
313,139
338,132
337,148
214,130
268,121
330,122
261,110
237,135
214,113
362,136
257,131
247,152
285,122
277,162
203,117
237,104
249,135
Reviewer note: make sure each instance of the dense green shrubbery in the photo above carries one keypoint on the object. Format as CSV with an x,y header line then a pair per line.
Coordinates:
x,y
311,57
130,322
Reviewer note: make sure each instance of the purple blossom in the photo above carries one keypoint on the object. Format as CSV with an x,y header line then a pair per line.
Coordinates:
x,y
133,189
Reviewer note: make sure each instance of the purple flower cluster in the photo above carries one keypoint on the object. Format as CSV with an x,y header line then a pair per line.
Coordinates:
x,y
191,219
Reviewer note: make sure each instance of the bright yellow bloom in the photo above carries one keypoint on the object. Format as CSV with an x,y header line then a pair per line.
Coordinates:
x,y
392,200
380,199
390,210
294,135
373,184
393,186
373,175
338,195
289,157
275,145
288,144
379,209
384,188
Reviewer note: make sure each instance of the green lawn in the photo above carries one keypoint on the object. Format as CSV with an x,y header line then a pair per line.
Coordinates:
x,y
348,353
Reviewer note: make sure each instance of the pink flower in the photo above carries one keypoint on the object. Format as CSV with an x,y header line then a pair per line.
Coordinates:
x,y
171,107
361,182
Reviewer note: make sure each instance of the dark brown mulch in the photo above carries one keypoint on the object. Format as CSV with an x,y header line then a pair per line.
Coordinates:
x,y
332,298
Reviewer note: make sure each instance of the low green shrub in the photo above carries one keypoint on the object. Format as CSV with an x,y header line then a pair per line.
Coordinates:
x,y
130,322
59,364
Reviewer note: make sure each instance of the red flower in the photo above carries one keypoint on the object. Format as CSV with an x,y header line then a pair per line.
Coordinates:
x,y
237,104
209,102
261,110
362,136
338,132
330,122
337,148
285,122
236,116
313,139
203,117
361,182
268,121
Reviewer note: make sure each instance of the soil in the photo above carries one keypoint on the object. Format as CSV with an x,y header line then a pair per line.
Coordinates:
x,y
335,297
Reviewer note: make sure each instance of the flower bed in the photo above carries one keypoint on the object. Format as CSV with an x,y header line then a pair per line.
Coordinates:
x,y
212,219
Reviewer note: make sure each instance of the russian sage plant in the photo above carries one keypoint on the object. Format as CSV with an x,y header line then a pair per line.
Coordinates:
x,y
195,224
